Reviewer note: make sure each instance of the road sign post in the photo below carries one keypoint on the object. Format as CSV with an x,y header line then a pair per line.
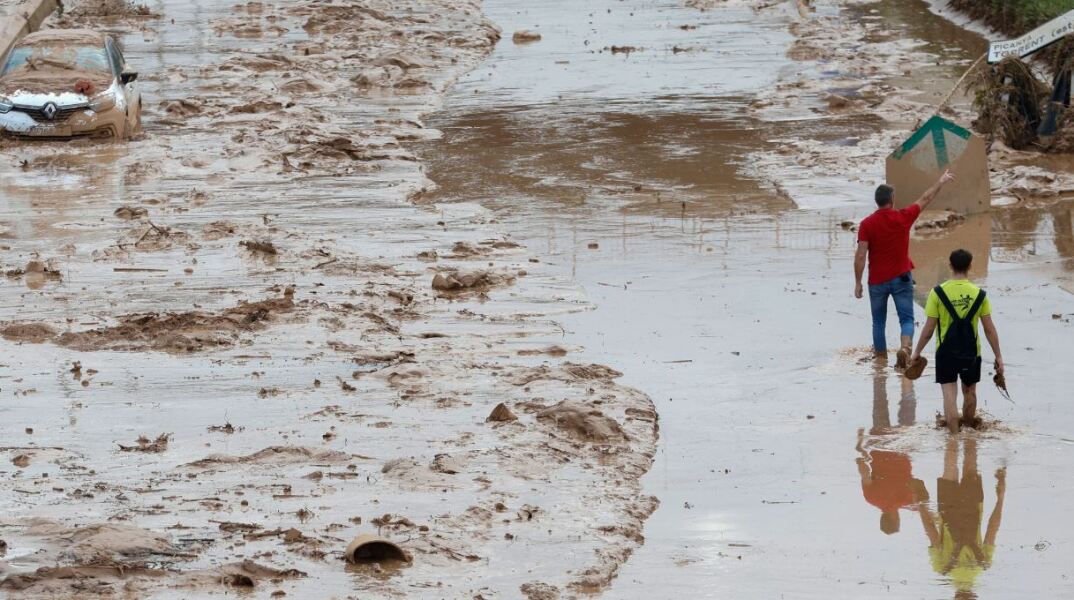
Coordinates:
x,y
1049,33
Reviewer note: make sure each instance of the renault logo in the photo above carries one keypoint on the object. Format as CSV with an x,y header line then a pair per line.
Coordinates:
x,y
49,110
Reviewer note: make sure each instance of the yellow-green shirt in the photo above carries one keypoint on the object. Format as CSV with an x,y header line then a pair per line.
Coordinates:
x,y
962,294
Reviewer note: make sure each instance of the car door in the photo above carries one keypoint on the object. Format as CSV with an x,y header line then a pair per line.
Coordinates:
x,y
131,97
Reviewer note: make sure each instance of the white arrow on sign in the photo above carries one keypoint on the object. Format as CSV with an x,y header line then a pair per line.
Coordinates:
x,y
1052,31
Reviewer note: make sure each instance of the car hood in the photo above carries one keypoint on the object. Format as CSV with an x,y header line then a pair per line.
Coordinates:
x,y
65,87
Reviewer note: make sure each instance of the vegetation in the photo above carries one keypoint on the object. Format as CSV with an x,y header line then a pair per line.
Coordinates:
x,y
1014,17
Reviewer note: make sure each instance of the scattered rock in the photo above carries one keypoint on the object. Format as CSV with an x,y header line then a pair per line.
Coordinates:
x,y
501,414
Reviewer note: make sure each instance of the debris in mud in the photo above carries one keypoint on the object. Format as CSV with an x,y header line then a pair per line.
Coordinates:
x,y
217,230
151,238
34,333
246,574
539,591
37,272
276,455
346,387
176,332
938,221
524,36
144,444
550,351
130,213
582,422
181,107
225,428
458,281
109,8
233,527
1008,97
567,372
447,464
263,246
369,548
501,414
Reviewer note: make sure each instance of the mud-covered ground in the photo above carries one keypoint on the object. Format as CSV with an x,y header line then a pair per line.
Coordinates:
x,y
233,344
667,183
284,316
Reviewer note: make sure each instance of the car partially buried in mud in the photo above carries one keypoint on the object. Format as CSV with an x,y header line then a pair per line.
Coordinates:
x,y
64,83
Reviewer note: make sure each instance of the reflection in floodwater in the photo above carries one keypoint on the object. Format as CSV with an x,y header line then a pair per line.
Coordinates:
x,y
881,412
887,482
957,551
1024,231
956,548
931,254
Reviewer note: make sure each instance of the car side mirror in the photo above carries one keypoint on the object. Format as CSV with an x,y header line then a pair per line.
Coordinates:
x,y
127,76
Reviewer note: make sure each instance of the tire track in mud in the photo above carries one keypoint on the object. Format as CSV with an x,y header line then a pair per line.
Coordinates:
x,y
250,279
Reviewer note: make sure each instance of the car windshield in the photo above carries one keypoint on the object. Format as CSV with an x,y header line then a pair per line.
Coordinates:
x,y
62,56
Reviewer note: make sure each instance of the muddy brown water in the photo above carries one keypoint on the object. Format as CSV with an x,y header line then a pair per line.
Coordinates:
x,y
622,173
354,400
732,308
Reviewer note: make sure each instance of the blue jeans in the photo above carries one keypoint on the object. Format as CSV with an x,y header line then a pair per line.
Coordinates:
x,y
903,294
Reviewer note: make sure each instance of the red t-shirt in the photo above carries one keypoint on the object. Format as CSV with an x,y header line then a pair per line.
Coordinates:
x,y
890,487
888,232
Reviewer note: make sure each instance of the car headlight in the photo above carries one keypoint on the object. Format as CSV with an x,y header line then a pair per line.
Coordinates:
x,y
5,105
102,102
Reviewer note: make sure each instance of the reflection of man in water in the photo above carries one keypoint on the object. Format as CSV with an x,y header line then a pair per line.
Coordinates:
x,y
955,544
886,477
887,482
881,411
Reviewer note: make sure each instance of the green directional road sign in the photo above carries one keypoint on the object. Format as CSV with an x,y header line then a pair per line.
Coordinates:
x,y
939,132
937,145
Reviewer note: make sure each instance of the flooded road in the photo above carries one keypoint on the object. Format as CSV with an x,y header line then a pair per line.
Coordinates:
x,y
234,344
732,307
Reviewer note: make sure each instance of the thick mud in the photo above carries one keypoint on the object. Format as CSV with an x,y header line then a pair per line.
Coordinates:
x,y
233,344
294,312
732,306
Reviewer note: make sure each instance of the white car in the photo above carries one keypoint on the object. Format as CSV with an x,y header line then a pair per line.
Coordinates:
x,y
61,83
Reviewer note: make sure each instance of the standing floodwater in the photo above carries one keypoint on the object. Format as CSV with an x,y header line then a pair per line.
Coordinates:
x,y
624,147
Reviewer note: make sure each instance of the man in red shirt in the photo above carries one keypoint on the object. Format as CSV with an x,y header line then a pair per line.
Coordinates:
x,y
884,237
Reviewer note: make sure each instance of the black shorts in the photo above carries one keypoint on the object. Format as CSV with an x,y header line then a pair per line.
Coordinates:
x,y
949,370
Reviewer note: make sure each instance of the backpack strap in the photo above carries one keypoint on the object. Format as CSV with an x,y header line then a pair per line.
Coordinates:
x,y
942,295
976,304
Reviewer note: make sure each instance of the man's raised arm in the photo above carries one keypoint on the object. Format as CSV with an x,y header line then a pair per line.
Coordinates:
x,y
927,198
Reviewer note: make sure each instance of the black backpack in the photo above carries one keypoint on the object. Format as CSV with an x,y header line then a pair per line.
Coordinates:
x,y
960,340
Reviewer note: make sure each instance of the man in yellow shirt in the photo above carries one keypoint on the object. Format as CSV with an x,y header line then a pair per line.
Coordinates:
x,y
958,306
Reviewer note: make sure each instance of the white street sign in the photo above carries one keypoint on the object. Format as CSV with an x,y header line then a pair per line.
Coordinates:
x,y
1029,43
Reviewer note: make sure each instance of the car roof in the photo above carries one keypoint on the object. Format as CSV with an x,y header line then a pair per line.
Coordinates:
x,y
63,36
